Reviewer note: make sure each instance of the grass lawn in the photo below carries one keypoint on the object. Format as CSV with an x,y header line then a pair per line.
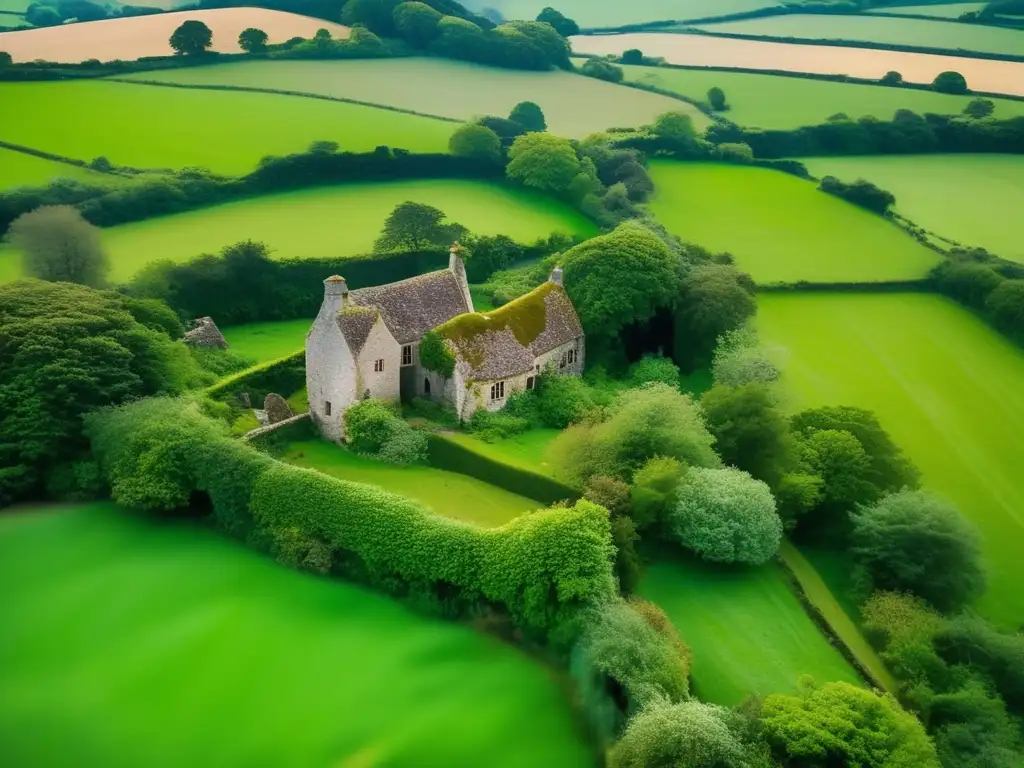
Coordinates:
x,y
327,222
261,342
612,13
974,199
20,170
950,11
945,386
747,630
150,127
781,228
881,29
447,493
131,642
526,451
771,101
573,105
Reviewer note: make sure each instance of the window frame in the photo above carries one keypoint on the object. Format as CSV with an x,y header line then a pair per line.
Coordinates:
x,y
327,407
406,355
378,365
497,391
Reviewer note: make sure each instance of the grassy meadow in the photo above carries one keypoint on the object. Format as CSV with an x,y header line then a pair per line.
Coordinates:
x,y
747,630
771,101
153,127
573,105
881,29
262,342
526,451
781,228
692,50
945,386
450,494
973,199
18,169
326,222
609,13
129,641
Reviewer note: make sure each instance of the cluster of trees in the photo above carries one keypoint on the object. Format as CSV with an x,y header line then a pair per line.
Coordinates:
x,y
194,38
55,12
976,282
906,133
861,192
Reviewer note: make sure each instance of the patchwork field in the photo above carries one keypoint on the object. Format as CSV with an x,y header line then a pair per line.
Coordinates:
x,y
950,11
138,36
747,630
261,342
695,50
974,199
453,495
574,105
228,133
881,29
326,221
770,101
944,385
605,13
20,170
781,228
132,642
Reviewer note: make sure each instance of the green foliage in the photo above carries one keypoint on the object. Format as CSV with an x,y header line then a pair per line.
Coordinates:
x,y
715,299
653,368
155,315
654,420
999,656
860,192
796,494
725,516
602,70
621,278
739,360
912,541
622,665
562,24
477,142
491,426
980,108
543,161
58,245
750,431
628,563
688,734
375,15
842,724
608,492
676,130
528,115
716,98
1006,304
562,400
891,78
950,82
417,23
5,59
490,254
838,458
415,227
554,49
373,429
66,350
652,494
252,40
192,38
285,375
220,362
735,152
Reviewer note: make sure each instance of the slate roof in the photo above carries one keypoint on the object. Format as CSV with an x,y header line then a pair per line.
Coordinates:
x,y
355,324
412,307
505,342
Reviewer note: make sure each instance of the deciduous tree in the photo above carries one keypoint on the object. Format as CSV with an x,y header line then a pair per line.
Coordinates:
x,y
477,142
562,24
543,161
417,23
716,98
528,115
414,227
750,431
57,244
950,82
191,38
5,59
253,40
979,108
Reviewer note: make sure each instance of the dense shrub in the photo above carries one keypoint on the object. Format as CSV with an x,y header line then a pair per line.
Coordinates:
x,y
651,369
715,299
999,656
750,431
562,400
602,70
477,142
374,429
496,425
912,541
652,493
725,516
57,244
622,664
861,192
739,359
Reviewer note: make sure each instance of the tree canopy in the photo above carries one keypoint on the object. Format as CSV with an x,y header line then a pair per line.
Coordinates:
x,y
750,431
417,23
191,38
950,82
416,226
57,244
562,24
528,115
543,161
476,141
253,40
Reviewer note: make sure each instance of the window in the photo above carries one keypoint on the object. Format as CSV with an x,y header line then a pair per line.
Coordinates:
x,y
378,366
568,358
407,354
327,407
498,391
531,382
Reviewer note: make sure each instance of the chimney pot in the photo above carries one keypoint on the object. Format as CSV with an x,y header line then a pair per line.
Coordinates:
x,y
556,276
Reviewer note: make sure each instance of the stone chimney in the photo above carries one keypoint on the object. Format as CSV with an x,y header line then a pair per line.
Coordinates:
x,y
458,268
335,294
556,276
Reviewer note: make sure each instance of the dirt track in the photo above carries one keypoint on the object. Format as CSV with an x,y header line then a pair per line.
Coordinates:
x,y
696,50
139,36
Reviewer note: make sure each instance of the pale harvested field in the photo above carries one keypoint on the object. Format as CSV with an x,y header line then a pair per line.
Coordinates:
x,y
140,36
695,50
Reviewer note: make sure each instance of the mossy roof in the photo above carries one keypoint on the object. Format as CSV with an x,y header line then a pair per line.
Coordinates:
x,y
412,307
355,324
507,341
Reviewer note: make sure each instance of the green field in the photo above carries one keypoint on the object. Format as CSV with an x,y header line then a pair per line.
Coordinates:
x,y
573,105
20,170
949,11
973,199
261,342
459,497
922,33
747,630
770,101
614,13
17,6
945,386
129,642
526,451
151,127
327,222
781,228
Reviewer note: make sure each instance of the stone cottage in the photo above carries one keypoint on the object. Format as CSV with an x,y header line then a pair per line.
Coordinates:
x,y
366,344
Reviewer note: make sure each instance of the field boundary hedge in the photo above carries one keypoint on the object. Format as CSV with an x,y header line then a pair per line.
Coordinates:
x,y
284,375
921,285
443,453
280,92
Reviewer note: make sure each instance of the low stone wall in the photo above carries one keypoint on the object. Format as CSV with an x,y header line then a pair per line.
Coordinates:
x,y
290,429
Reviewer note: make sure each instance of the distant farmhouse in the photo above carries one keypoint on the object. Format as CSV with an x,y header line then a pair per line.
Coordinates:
x,y
366,344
